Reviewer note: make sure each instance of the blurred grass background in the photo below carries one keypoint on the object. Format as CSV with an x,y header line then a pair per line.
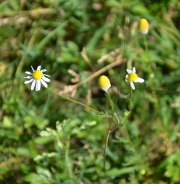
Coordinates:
x,y
45,139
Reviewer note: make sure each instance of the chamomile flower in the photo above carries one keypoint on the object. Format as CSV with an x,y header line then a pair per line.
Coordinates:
x,y
132,77
37,77
143,26
104,83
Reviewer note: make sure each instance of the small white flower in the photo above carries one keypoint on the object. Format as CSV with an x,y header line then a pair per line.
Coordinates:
x,y
132,77
37,77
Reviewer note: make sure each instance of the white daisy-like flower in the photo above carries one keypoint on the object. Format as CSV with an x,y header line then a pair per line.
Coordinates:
x,y
104,83
132,77
37,77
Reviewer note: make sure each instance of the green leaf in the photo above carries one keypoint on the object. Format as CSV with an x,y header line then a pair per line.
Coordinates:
x,y
173,172
96,37
24,152
33,178
118,172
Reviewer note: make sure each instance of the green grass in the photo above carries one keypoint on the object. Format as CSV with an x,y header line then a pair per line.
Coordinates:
x,y
47,139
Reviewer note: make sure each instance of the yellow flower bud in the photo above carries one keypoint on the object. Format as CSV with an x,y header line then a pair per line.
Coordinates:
x,y
143,26
143,172
104,83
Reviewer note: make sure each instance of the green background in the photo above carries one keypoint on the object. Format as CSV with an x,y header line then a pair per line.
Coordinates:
x,y
46,139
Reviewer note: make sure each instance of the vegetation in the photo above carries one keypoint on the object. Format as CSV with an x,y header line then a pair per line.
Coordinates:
x,y
59,135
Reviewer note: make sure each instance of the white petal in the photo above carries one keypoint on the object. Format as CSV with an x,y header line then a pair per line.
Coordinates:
x,y
106,89
26,82
38,85
43,70
145,32
47,75
32,68
28,77
134,70
45,79
39,68
132,85
129,71
127,81
33,84
44,84
29,73
139,80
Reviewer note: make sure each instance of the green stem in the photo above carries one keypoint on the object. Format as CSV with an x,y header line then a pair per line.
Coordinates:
x,y
146,46
112,109
131,97
109,129
111,104
74,101
149,70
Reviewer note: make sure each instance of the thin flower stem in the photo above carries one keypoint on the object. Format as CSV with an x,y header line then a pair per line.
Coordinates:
x,y
112,109
106,145
107,138
146,46
111,104
74,101
130,99
149,69
113,114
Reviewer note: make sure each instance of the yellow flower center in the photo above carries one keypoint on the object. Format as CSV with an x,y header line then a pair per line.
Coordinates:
x,y
132,77
103,82
143,25
37,74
